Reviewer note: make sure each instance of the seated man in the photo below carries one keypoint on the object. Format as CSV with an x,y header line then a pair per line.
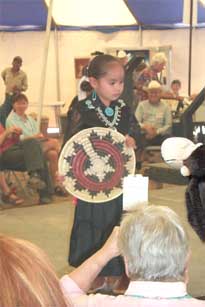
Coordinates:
x,y
154,116
156,253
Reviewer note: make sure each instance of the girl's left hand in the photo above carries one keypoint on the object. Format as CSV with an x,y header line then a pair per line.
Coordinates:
x,y
130,142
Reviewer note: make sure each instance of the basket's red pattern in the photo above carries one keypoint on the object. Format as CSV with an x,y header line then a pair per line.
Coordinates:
x,y
96,181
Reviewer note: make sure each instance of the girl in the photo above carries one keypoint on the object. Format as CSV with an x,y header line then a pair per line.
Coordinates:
x,y
101,109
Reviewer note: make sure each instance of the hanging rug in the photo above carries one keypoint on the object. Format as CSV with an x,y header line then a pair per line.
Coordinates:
x,y
94,162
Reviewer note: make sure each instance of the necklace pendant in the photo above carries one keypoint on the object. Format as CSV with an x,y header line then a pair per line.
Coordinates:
x,y
109,111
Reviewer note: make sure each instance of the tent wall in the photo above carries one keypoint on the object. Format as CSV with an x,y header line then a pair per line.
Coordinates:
x,y
76,44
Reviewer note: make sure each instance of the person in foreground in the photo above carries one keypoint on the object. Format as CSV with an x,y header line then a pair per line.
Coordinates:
x,y
156,253
27,277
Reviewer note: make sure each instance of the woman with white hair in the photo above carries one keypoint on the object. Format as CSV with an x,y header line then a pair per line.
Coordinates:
x,y
152,72
156,251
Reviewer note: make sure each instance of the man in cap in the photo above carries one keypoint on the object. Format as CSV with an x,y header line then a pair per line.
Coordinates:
x,y
154,116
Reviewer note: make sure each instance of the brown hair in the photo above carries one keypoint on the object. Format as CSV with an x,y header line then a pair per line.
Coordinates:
x,y
27,277
19,97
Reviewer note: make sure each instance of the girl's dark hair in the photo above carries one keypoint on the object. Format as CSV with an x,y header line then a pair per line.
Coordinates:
x,y
85,86
18,97
98,66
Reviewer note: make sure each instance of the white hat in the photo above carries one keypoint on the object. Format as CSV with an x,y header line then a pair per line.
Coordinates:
x,y
176,149
121,54
153,85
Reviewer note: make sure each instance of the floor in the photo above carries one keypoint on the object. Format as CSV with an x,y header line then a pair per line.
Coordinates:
x,y
49,227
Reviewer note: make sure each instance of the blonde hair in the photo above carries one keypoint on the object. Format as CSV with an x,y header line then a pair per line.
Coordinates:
x,y
158,58
27,277
154,244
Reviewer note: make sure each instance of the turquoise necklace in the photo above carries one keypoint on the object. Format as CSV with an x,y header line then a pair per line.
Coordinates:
x,y
103,118
109,111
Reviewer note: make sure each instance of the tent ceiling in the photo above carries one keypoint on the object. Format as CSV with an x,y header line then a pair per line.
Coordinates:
x,y
22,14
157,11
91,13
18,15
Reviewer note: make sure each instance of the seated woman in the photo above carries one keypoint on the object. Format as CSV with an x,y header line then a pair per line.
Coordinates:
x,y
28,277
23,156
50,147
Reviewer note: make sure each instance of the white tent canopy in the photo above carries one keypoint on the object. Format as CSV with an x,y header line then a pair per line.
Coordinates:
x,y
81,13
84,13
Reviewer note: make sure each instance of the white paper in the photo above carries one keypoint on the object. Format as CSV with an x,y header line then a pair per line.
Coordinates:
x,y
135,191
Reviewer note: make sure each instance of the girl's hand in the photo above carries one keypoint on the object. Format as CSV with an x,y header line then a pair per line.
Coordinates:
x,y
130,142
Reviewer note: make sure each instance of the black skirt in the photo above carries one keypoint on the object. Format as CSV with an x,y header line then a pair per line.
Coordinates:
x,y
93,223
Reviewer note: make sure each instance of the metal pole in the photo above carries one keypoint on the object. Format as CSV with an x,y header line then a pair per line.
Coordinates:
x,y
190,46
44,64
57,64
140,35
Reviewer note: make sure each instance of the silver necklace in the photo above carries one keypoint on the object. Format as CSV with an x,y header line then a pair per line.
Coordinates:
x,y
103,118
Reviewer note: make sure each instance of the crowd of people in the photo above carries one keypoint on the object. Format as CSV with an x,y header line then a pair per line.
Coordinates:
x,y
22,146
146,251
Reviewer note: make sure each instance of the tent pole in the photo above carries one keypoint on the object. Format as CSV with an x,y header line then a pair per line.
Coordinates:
x,y
44,64
140,35
57,64
190,46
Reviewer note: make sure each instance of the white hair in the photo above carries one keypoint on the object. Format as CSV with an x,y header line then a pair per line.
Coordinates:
x,y
154,244
158,58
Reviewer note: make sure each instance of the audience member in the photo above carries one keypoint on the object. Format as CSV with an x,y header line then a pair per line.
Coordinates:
x,y
175,88
14,78
156,253
23,156
50,147
150,73
27,276
154,116
173,93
